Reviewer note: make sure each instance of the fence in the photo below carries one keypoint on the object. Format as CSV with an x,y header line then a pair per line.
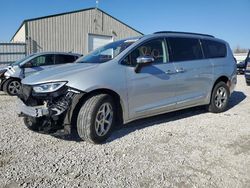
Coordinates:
x,y
11,52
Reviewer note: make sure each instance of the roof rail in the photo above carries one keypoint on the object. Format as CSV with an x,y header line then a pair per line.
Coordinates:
x,y
177,32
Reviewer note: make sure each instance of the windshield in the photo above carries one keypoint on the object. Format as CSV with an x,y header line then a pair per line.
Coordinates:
x,y
107,52
21,60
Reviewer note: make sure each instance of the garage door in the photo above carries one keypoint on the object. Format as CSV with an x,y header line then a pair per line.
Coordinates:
x,y
96,41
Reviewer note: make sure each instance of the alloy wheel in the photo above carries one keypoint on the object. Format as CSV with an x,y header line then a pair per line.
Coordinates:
x,y
104,119
221,97
14,87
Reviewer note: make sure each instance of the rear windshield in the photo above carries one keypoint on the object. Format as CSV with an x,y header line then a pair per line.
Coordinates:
x,y
214,49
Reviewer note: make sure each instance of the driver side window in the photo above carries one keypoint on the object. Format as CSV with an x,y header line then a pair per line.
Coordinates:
x,y
155,48
43,60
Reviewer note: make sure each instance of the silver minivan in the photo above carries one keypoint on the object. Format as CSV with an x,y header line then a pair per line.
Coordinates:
x,y
127,80
11,76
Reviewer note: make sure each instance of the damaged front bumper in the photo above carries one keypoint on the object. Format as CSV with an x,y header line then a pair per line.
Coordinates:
x,y
36,111
53,109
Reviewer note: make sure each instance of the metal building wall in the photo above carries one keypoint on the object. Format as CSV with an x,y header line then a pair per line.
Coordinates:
x,y
11,52
20,35
69,32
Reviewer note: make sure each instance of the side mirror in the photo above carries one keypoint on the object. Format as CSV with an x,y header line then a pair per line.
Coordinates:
x,y
27,65
143,61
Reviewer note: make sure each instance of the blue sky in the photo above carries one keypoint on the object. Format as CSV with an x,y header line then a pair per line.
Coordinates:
x,y
226,19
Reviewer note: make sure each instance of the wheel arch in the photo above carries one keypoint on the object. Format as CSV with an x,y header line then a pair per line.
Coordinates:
x,y
3,84
222,78
5,80
117,100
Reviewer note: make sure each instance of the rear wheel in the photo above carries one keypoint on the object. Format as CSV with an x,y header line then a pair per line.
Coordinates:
x,y
219,99
96,118
12,86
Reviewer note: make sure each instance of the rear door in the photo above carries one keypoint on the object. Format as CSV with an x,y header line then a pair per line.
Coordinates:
x,y
152,90
195,73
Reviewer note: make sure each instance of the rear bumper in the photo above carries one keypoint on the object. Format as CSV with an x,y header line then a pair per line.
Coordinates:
x,y
232,83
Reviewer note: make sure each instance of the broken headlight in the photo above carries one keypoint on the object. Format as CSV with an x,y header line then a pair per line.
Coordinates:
x,y
48,87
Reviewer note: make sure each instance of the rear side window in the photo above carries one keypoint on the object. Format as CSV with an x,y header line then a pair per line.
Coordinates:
x,y
214,49
185,49
61,59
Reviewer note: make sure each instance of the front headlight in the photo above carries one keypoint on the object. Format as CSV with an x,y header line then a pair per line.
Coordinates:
x,y
48,87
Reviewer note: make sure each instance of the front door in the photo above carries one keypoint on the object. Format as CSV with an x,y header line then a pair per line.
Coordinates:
x,y
150,91
39,63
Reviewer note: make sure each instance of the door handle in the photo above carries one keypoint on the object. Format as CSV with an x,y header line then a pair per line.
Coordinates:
x,y
181,70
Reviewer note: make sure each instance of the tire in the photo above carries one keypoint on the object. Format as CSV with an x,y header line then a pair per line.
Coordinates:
x,y
12,87
90,121
219,98
32,123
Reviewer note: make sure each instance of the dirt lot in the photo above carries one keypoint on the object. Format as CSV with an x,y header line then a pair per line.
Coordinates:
x,y
189,148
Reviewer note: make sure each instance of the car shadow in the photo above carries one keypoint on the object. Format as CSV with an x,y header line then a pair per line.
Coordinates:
x,y
121,131
236,98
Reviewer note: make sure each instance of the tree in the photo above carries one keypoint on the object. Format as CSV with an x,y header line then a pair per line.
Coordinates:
x,y
238,49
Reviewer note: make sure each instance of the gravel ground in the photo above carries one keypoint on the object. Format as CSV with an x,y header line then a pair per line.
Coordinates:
x,y
188,148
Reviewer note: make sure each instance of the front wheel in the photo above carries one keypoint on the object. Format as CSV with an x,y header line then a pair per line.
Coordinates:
x,y
12,87
219,99
96,118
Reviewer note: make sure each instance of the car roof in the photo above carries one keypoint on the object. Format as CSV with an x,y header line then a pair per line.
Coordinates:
x,y
183,34
57,53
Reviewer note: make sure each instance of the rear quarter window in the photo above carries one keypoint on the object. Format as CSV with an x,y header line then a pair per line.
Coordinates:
x,y
214,49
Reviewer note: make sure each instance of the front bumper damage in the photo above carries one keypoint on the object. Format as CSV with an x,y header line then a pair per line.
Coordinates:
x,y
54,110
37,111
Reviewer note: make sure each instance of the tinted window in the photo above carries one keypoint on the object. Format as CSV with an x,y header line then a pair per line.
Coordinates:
x,y
214,49
155,48
42,60
61,59
184,49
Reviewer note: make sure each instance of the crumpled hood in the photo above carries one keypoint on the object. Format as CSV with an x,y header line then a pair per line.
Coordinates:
x,y
60,73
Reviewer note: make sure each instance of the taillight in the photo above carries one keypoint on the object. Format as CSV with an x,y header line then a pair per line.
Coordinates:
x,y
248,66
